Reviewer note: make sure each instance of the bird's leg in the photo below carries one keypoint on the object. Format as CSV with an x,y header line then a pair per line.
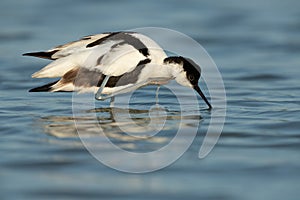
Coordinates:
x,y
99,95
156,95
112,102
151,81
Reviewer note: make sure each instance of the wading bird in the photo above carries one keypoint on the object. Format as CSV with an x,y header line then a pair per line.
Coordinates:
x,y
113,63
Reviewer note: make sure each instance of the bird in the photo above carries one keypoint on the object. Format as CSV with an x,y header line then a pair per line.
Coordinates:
x,y
112,63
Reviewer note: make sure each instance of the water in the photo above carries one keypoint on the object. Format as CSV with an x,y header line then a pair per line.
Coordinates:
x,y
256,46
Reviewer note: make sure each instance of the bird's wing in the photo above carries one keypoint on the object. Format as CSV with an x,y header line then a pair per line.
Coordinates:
x,y
127,52
111,54
119,59
68,48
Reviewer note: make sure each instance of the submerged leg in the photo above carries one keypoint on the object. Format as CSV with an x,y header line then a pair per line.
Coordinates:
x,y
112,102
156,95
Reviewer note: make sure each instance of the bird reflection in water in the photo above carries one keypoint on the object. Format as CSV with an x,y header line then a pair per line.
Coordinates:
x,y
131,129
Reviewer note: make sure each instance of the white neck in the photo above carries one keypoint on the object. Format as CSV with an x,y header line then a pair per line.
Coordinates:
x,y
174,69
169,71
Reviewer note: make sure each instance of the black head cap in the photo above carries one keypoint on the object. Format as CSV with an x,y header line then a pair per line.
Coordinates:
x,y
193,73
192,70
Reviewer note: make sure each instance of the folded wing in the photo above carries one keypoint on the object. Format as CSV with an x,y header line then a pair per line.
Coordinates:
x,y
111,54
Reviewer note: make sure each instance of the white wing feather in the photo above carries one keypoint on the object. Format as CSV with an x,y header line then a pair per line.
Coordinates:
x,y
59,67
117,61
107,57
76,46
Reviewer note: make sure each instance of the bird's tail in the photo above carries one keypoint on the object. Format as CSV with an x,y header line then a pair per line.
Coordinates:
x,y
45,88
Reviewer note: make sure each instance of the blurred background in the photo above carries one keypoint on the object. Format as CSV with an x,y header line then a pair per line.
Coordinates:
x,y
256,46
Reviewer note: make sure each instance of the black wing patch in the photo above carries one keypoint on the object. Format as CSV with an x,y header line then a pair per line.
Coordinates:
x,y
99,41
42,54
127,78
126,37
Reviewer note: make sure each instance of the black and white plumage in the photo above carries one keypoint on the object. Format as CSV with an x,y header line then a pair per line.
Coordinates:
x,y
115,62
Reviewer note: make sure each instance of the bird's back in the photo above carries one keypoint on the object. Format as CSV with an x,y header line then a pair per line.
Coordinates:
x,y
107,54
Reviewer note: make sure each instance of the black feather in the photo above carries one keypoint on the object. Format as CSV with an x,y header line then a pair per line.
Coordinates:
x,y
44,88
42,54
125,37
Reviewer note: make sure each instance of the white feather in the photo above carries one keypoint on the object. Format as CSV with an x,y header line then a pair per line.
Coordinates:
x,y
119,60
76,46
63,87
116,59
59,67
124,58
156,52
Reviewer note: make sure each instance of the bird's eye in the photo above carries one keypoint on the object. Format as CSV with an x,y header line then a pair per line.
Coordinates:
x,y
191,77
